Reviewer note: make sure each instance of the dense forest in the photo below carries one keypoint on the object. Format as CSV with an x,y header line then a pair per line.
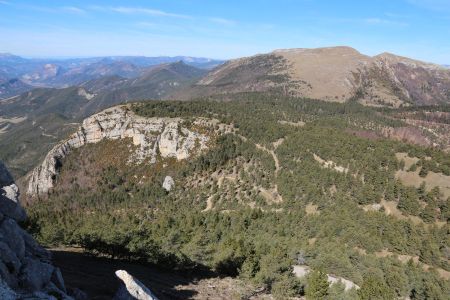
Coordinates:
x,y
293,183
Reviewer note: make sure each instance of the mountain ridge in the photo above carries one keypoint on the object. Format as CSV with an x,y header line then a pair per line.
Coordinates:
x,y
51,72
331,74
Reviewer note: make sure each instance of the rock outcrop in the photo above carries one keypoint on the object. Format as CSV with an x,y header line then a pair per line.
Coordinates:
x,y
9,196
26,271
301,271
153,137
168,183
132,289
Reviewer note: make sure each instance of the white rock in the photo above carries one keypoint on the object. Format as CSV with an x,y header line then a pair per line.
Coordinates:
x,y
168,183
347,283
301,271
83,93
134,288
9,196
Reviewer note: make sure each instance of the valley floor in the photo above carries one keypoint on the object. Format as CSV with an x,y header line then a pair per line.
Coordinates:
x,y
95,276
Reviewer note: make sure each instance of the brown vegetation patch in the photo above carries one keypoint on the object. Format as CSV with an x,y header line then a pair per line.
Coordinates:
x,y
431,180
404,258
271,195
409,161
361,251
411,135
312,209
295,124
327,71
390,209
366,134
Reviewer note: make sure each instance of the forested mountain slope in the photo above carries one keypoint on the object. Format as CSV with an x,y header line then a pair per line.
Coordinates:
x,y
12,87
281,182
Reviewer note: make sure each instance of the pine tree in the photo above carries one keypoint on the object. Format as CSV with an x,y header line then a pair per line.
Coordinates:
x,y
422,191
429,213
317,286
375,288
409,202
445,210
423,171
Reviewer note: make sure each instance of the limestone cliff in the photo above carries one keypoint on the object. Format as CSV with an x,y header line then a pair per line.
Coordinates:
x,y
153,137
26,271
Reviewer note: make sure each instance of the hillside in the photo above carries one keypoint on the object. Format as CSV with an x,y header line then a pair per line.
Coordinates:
x,y
94,95
103,84
296,184
42,101
12,87
155,83
43,116
333,74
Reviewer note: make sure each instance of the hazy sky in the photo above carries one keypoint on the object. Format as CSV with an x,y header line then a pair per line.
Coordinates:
x,y
223,29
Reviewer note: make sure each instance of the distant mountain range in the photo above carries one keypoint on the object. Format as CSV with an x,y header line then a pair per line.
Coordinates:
x,y
59,73
331,74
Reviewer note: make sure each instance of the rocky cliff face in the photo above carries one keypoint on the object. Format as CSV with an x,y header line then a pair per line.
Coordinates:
x,y
153,138
26,271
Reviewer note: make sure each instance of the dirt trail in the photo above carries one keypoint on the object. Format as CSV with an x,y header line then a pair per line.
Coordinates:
x,y
209,204
272,152
273,196
270,195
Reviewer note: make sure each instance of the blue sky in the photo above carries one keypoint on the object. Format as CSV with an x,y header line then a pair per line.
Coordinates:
x,y
223,29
